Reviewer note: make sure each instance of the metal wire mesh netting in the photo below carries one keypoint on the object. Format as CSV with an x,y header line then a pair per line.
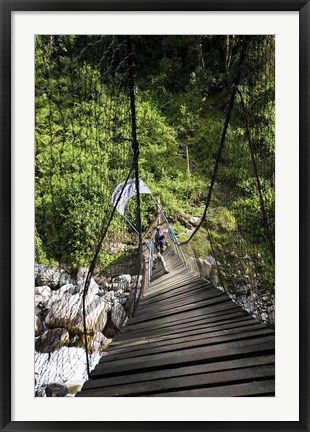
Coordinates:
x,y
241,260
88,271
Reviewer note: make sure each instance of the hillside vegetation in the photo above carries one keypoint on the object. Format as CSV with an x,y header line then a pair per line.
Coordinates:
x,y
183,85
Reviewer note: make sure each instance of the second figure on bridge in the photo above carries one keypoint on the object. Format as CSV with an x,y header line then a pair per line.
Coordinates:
x,y
159,239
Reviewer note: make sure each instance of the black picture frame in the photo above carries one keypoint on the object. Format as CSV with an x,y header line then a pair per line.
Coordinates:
x,y
9,6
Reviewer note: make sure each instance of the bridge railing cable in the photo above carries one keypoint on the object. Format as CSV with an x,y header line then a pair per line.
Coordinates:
x,y
89,262
238,229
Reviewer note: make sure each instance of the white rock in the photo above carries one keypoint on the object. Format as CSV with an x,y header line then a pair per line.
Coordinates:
x,y
205,267
38,327
109,296
43,290
52,340
123,277
117,319
93,286
38,299
211,260
74,386
65,279
68,313
68,288
82,273
122,300
53,367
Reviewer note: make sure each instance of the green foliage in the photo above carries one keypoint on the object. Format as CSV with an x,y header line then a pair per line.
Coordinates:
x,y
83,142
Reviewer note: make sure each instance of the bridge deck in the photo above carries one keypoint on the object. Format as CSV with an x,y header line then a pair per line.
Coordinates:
x,y
187,339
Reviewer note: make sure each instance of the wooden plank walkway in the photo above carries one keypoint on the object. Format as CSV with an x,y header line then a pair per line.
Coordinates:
x,y
187,339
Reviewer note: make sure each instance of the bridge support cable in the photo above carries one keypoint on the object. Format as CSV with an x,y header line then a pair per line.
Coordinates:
x,y
84,112
135,144
135,169
267,229
223,137
90,272
239,230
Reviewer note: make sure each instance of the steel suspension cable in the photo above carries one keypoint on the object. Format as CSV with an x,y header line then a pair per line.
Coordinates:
x,y
135,144
257,180
223,137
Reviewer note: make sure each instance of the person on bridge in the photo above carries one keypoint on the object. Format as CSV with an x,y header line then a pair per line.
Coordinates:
x,y
159,237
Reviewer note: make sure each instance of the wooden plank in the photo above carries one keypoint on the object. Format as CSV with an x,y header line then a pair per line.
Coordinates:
x,y
181,309
186,337
174,331
173,297
202,311
168,333
174,337
189,328
130,331
169,285
180,371
173,321
187,301
263,344
249,374
177,288
171,279
258,388
187,342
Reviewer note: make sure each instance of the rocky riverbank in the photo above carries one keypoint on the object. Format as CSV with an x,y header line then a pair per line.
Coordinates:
x,y
242,285
60,357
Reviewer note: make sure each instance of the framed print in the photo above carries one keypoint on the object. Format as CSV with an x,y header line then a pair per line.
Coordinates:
x,y
154,153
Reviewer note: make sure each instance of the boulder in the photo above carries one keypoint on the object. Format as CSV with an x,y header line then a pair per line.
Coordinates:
x,y
242,289
40,392
264,317
102,281
68,313
44,290
194,221
204,267
211,260
50,276
56,390
82,273
117,247
66,289
123,277
63,309
95,343
38,326
38,299
116,319
93,287
74,386
52,340
131,301
55,298
65,279
121,282
109,296
102,292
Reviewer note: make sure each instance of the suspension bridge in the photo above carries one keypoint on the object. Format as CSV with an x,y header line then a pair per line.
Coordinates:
x,y
186,339
184,336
